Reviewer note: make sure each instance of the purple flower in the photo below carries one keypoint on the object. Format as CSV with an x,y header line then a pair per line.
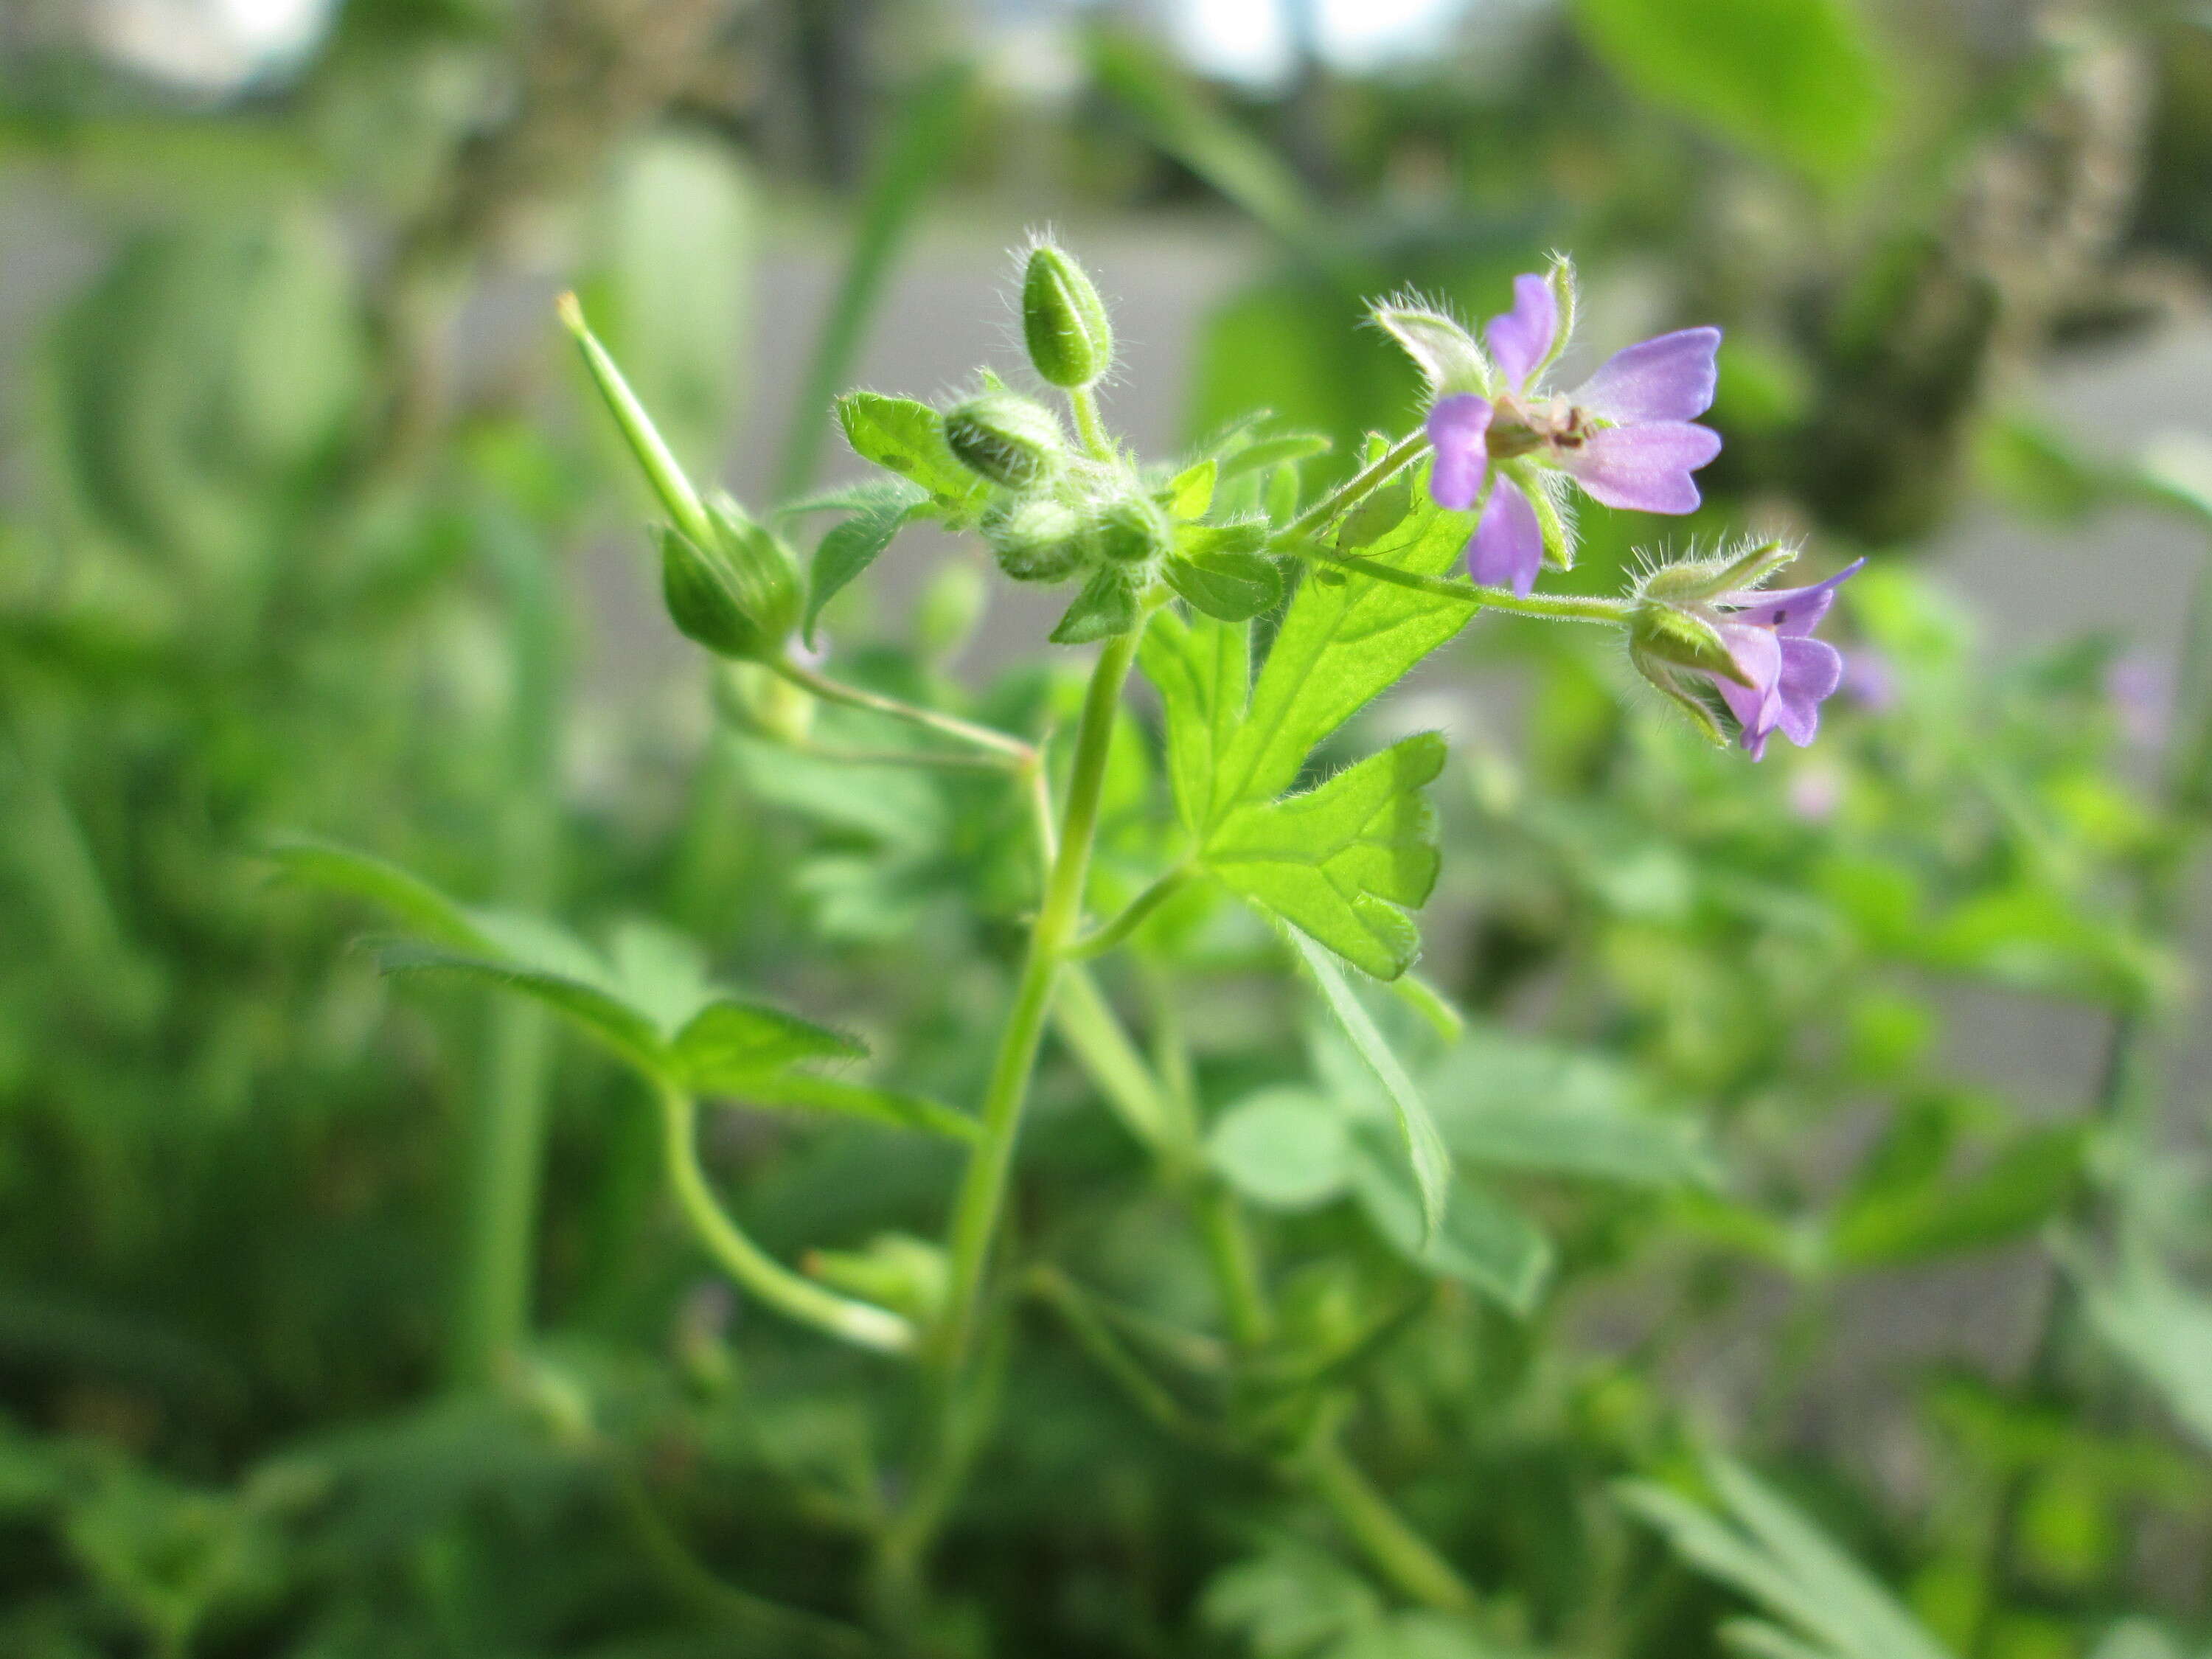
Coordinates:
x,y
1625,436
1768,638
1869,679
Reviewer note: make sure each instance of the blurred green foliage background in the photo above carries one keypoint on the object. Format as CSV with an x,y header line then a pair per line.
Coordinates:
x,y
341,1317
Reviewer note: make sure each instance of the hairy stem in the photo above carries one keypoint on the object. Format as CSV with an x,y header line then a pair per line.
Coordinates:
x,y
1088,425
858,1322
1552,607
1351,492
1013,751
982,1199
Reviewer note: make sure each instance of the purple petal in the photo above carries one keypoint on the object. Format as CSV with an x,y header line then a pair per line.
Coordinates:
x,y
1456,426
1520,338
1756,707
1507,549
1670,378
1644,468
1793,610
1811,670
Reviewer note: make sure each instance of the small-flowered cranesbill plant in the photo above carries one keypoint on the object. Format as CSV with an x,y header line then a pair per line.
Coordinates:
x,y
1264,621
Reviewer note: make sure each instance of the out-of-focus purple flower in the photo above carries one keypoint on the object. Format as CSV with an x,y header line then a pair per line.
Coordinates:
x,y
1815,791
1625,436
1787,674
2142,690
1869,679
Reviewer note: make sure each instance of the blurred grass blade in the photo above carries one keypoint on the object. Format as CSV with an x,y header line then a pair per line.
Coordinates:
x,y
1235,163
1765,1548
920,147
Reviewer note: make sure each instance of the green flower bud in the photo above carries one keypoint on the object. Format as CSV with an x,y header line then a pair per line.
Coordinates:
x,y
895,1271
1011,439
1130,533
950,607
1034,538
757,700
739,596
1070,337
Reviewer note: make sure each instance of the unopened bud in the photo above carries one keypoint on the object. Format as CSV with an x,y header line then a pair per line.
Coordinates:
x,y
1063,322
757,700
1131,532
895,1271
1034,538
1011,439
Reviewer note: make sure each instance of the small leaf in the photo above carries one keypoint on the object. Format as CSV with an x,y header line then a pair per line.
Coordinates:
x,y
727,1038
1284,1148
1377,516
1190,492
800,1091
2027,1182
868,494
1769,1551
907,437
1485,1242
2161,1328
1106,606
624,1029
1227,586
408,897
1286,450
1424,1148
1347,861
1513,1103
851,548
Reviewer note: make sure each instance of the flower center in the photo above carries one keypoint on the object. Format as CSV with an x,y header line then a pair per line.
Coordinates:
x,y
1522,425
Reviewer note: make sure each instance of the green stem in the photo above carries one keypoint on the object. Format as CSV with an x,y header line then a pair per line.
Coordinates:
x,y
1297,539
1221,1224
1088,424
1013,751
858,1322
492,1317
981,1199
493,1311
1553,607
1351,492
786,1629
1101,939
1087,1025
1398,1552
1113,1357
1235,1264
